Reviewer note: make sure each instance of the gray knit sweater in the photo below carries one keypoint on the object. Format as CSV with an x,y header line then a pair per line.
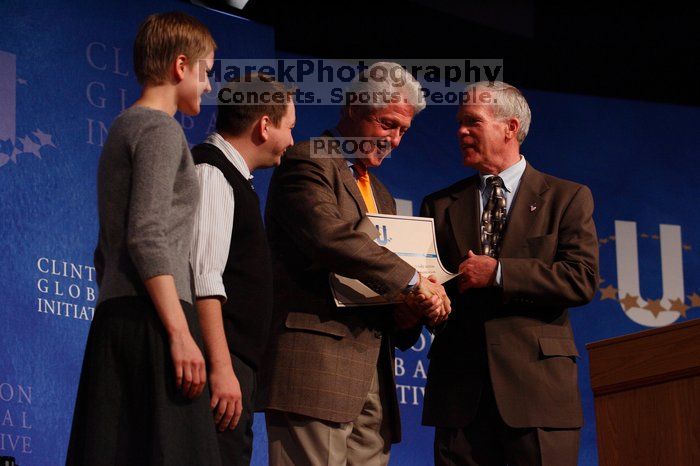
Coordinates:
x,y
147,194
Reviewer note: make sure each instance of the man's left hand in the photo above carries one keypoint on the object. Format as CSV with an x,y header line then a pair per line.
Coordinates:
x,y
477,272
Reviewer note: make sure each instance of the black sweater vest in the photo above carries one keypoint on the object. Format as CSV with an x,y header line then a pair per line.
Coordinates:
x,y
248,274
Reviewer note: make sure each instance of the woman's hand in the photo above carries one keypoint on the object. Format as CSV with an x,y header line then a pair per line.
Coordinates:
x,y
190,370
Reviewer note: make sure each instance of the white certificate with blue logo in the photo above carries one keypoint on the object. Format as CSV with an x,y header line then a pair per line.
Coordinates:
x,y
410,238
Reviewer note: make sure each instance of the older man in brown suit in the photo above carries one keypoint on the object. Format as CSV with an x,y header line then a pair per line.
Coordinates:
x,y
327,381
502,384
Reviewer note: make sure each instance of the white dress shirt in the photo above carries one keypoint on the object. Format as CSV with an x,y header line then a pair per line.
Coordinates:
x,y
213,222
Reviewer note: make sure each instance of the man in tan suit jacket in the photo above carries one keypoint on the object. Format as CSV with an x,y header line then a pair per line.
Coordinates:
x,y
327,383
502,384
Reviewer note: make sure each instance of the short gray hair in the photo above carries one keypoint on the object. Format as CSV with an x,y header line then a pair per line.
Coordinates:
x,y
508,102
385,78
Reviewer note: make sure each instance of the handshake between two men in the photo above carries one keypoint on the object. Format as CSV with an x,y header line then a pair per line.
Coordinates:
x,y
428,303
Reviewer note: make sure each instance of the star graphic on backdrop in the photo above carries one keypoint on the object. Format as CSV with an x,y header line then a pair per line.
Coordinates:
x,y
609,292
14,154
644,235
21,81
654,305
603,241
6,146
4,158
629,301
612,237
44,139
654,236
30,146
678,305
694,300
600,281
687,247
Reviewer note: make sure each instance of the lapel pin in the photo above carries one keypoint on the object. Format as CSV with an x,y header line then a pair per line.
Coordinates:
x,y
532,208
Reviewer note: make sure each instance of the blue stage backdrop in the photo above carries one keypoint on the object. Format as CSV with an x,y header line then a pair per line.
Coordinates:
x,y
65,73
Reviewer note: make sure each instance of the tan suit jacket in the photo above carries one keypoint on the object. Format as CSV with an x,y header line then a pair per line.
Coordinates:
x,y
321,360
518,335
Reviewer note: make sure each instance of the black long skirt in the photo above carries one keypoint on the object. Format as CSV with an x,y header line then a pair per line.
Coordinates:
x,y
128,410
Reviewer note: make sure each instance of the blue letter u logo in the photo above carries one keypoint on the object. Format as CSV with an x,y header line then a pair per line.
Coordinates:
x,y
654,313
383,238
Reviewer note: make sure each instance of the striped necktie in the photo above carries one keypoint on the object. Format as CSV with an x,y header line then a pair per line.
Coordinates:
x,y
493,219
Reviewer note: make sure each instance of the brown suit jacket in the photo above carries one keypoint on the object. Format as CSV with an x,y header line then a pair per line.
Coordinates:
x,y
518,335
321,360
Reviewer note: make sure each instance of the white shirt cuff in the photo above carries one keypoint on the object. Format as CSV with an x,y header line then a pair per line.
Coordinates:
x,y
209,285
498,275
414,280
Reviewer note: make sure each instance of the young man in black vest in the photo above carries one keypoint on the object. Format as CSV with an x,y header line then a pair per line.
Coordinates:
x,y
230,256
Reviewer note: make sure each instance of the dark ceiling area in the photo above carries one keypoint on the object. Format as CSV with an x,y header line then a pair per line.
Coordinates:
x,y
650,54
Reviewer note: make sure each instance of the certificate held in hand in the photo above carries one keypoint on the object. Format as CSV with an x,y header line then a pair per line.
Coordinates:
x,y
410,238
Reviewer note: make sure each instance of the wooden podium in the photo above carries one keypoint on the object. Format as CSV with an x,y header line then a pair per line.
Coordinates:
x,y
646,388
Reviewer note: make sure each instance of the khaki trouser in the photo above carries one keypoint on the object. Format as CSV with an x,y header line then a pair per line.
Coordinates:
x,y
296,440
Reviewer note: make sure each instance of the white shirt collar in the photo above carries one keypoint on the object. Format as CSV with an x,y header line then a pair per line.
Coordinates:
x,y
231,154
510,176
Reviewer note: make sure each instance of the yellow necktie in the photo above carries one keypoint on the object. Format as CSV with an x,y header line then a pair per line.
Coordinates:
x,y
365,188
